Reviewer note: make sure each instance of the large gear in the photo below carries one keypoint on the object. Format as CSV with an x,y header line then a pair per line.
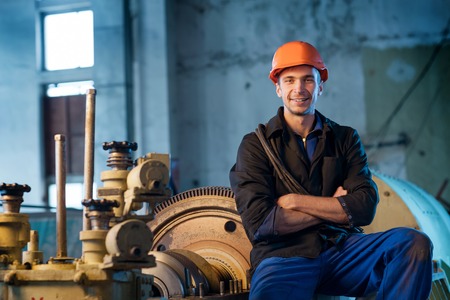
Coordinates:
x,y
202,222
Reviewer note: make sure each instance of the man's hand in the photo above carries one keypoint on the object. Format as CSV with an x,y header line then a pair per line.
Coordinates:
x,y
340,192
287,201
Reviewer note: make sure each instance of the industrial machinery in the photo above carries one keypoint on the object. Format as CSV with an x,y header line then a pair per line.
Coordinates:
x,y
200,230
116,243
141,242
89,277
205,221
118,260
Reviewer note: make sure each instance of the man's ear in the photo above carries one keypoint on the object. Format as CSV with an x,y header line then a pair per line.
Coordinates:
x,y
278,89
320,88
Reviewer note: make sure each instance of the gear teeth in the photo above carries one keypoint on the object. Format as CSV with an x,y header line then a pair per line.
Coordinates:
x,y
197,192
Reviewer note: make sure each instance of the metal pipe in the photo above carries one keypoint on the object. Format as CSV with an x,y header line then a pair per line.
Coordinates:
x,y
33,244
201,291
60,166
89,152
222,288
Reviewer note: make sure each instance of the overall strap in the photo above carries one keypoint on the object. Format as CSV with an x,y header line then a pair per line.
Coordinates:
x,y
289,181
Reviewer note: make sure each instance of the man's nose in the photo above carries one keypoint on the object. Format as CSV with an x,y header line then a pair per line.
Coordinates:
x,y
299,86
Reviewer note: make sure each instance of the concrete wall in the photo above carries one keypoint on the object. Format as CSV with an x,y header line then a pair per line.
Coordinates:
x,y
189,77
224,51
20,125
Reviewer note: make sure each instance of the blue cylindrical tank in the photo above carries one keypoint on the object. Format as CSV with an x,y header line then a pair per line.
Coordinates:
x,y
404,204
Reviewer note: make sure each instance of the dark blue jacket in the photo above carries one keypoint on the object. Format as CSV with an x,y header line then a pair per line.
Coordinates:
x,y
339,160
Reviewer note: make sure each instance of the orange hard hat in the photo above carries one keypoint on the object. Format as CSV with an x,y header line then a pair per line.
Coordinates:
x,y
294,54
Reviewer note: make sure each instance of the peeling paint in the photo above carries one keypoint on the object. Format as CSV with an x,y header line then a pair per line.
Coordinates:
x,y
400,71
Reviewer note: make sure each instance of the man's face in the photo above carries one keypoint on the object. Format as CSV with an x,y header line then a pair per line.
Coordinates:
x,y
299,88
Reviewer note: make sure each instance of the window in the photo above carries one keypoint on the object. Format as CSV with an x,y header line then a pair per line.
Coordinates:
x,y
69,88
68,40
64,113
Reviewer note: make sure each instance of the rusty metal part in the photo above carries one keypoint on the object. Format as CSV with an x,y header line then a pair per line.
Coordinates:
x,y
94,248
33,256
130,239
60,166
180,274
115,179
148,183
14,226
12,196
204,221
64,283
119,154
89,151
128,244
99,212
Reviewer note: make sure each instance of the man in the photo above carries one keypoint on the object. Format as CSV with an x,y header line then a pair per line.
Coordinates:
x,y
301,205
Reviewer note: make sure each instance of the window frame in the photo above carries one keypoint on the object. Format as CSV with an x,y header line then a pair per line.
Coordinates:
x,y
44,8
67,52
45,77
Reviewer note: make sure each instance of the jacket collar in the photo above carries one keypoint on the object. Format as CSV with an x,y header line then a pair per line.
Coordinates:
x,y
278,123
